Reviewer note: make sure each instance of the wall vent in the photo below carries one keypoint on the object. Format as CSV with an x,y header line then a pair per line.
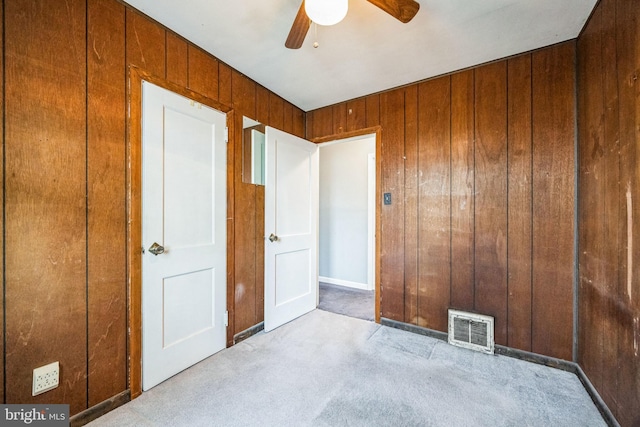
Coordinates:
x,y
472,331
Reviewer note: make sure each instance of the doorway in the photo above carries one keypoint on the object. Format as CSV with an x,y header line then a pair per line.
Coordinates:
x,y
137,248
347,226
367,281
183,233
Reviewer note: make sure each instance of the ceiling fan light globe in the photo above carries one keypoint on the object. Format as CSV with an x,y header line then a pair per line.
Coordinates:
x,y
326,12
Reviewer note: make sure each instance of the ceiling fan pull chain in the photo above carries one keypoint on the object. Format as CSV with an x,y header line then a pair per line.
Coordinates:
x,y
315,30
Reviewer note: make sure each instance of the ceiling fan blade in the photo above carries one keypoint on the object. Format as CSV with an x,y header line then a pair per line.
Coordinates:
x,y
299,29
402,10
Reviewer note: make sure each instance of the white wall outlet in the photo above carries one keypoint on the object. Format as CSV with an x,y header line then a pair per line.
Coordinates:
x,y
45,378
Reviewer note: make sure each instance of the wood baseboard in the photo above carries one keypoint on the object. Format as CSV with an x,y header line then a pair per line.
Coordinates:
x,y
100,409
241,336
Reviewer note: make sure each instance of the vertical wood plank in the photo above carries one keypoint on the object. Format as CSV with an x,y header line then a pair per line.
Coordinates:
x,y
269,110
553,200
309,125
519,203
245,249
491,195
243,95
392,181
262,105
177,60
411,205
232,123
145,44
2,277
45,81
356,114
203,73
372,106
627,298
299,121
134,232
224,84
244,294
611,198
590,105
276,111
106,118
434,203
339,118
322,124
287,124
462,190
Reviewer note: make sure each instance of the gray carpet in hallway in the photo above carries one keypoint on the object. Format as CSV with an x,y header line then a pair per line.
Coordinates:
x,y
325,369
348,301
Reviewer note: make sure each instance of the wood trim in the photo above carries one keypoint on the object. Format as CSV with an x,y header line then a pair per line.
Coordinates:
x,y
247,333
134,232
604,410
415,329
140,75
349,134
134,209
96,411
231,241
377,130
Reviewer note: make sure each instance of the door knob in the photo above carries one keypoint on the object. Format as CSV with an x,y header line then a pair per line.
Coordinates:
x,y
273,238
156,249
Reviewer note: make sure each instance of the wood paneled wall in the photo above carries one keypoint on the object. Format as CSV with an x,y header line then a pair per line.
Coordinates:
x,y
64,225
609,205
45,225
481,168
480,165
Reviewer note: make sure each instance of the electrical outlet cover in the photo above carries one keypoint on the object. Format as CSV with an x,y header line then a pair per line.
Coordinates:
x,y
46,378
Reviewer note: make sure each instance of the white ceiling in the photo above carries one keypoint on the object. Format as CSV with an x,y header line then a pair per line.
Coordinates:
x,y
369,51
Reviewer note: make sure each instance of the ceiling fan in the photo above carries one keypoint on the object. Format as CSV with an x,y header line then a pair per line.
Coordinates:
x,y
402,10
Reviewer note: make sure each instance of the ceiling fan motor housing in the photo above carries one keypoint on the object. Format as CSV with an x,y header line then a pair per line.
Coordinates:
x,y
326,12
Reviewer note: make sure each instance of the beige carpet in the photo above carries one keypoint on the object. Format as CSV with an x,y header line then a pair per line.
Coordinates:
x,y
348,301
325,369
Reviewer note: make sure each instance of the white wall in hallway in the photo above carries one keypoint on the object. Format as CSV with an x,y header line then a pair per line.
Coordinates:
x,y
344,210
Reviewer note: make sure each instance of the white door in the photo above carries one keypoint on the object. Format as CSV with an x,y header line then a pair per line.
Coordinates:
x,y
291,228
184,222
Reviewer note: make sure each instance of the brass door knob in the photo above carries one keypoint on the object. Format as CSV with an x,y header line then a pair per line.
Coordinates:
x,y
156,249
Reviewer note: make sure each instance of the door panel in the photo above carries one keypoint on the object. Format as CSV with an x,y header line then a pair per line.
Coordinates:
x,y
183,210
292,276
187,305
293,188
291,215
188,213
